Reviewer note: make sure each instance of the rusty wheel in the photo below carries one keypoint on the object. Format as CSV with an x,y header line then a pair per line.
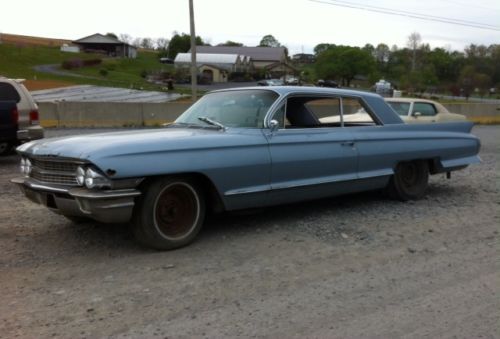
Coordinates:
x,y
409,181
177,209
169,214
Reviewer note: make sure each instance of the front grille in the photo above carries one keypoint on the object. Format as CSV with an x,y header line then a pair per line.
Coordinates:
x,y
54,178
54,171
48,165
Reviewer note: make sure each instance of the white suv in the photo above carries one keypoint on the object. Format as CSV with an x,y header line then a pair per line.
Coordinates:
x,y
28,124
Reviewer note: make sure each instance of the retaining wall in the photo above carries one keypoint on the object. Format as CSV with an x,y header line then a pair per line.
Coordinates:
x,y
106,114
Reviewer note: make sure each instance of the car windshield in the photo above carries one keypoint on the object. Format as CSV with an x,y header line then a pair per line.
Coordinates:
x,y
242,108
401,108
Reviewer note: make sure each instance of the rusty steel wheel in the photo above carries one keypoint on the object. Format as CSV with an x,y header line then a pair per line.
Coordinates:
x,y
169,214
409,181
176,209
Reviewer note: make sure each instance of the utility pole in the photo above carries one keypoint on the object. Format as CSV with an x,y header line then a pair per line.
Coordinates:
x,y
194,68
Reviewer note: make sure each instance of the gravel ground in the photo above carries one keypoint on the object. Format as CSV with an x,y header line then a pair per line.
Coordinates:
x,y
357,266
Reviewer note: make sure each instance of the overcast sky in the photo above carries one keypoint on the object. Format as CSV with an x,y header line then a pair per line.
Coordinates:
x,y
298,24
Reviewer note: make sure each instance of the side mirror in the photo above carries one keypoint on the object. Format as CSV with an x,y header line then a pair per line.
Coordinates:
x,y
417,114
273,125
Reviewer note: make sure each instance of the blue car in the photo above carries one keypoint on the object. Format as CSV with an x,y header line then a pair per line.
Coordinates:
x,y
238,149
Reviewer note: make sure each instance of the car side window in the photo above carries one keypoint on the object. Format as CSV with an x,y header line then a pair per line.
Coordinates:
x,y
424,108
8,93
401,108
313,112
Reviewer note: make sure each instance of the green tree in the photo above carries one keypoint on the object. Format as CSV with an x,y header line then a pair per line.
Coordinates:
x,y
320,48
181,44
112,35
269,41
230,43
344,63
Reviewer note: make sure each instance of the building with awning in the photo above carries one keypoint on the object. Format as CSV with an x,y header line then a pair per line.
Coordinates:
x,y
105,44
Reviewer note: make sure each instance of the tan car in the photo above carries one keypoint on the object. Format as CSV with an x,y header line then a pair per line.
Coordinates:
x,y
415,110
28,124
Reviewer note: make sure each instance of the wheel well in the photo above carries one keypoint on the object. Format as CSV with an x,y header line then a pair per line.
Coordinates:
x,y
213,199
433,163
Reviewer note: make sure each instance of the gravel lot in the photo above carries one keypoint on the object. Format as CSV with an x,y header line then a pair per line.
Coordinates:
x,y
348,267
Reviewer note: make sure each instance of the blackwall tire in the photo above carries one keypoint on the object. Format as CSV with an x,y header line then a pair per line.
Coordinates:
x,y
169,214
409,181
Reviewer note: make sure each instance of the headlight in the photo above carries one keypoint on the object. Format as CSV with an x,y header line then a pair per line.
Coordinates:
x,y
80,176
25,166
93,179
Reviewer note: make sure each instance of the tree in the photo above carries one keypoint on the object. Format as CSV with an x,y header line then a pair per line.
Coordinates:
x,y
269,41
181,44
125,38
320,48
147,43
413,44
112,35
161,44
344,63
230,43
382,53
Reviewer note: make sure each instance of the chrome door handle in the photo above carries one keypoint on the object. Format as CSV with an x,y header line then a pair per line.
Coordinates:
x,y
347,143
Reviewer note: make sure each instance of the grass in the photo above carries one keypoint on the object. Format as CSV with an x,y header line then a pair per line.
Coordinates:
x,y
18,62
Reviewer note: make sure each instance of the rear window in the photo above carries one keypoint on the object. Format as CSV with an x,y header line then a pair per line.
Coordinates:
x,y
8,93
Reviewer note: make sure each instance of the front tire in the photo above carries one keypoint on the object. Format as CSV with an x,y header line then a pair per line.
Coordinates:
x,y
409,181
169,214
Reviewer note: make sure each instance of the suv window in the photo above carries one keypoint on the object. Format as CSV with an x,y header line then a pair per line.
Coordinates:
x,y
8,93
424,108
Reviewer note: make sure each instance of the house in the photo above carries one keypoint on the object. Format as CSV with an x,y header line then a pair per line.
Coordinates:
x,y
304,58
261,56
216,67
98,43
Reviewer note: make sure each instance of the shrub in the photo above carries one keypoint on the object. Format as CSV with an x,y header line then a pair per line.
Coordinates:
x,y
103,72
92,62
72,63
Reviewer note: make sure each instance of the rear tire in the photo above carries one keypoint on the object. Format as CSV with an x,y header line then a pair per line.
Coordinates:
x,y
169,214
409,181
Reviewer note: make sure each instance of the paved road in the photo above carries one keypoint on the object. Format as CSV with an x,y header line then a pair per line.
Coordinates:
x,y
358,266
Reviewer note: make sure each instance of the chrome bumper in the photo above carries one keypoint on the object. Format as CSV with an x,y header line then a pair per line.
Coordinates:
x,y
107,206
30,133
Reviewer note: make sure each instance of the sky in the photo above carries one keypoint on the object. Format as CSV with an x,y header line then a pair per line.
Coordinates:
x,y
298,24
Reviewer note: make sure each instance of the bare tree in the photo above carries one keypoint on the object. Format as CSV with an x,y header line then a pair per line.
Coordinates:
x,y
147,43
413,43
125,38
161,43
137,42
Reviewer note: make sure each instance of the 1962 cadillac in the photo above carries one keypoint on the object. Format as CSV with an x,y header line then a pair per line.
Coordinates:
x,y
237,149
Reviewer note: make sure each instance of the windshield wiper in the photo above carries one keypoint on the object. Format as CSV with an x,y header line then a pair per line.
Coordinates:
x,y
212,122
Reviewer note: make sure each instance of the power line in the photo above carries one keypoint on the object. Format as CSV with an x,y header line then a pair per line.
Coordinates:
x,y
412,15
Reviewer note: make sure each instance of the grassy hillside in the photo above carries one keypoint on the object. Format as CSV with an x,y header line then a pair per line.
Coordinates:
x,y
17,61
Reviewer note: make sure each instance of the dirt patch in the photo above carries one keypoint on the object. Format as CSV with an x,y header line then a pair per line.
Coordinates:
x,y
36,85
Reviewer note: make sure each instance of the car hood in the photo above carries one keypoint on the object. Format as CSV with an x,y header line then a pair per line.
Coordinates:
x,y
94,146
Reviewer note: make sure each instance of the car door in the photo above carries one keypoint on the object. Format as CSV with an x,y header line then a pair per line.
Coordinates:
x,y
309,158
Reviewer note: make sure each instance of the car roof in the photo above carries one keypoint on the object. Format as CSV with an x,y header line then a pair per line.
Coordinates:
x,y
409,100
285,90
